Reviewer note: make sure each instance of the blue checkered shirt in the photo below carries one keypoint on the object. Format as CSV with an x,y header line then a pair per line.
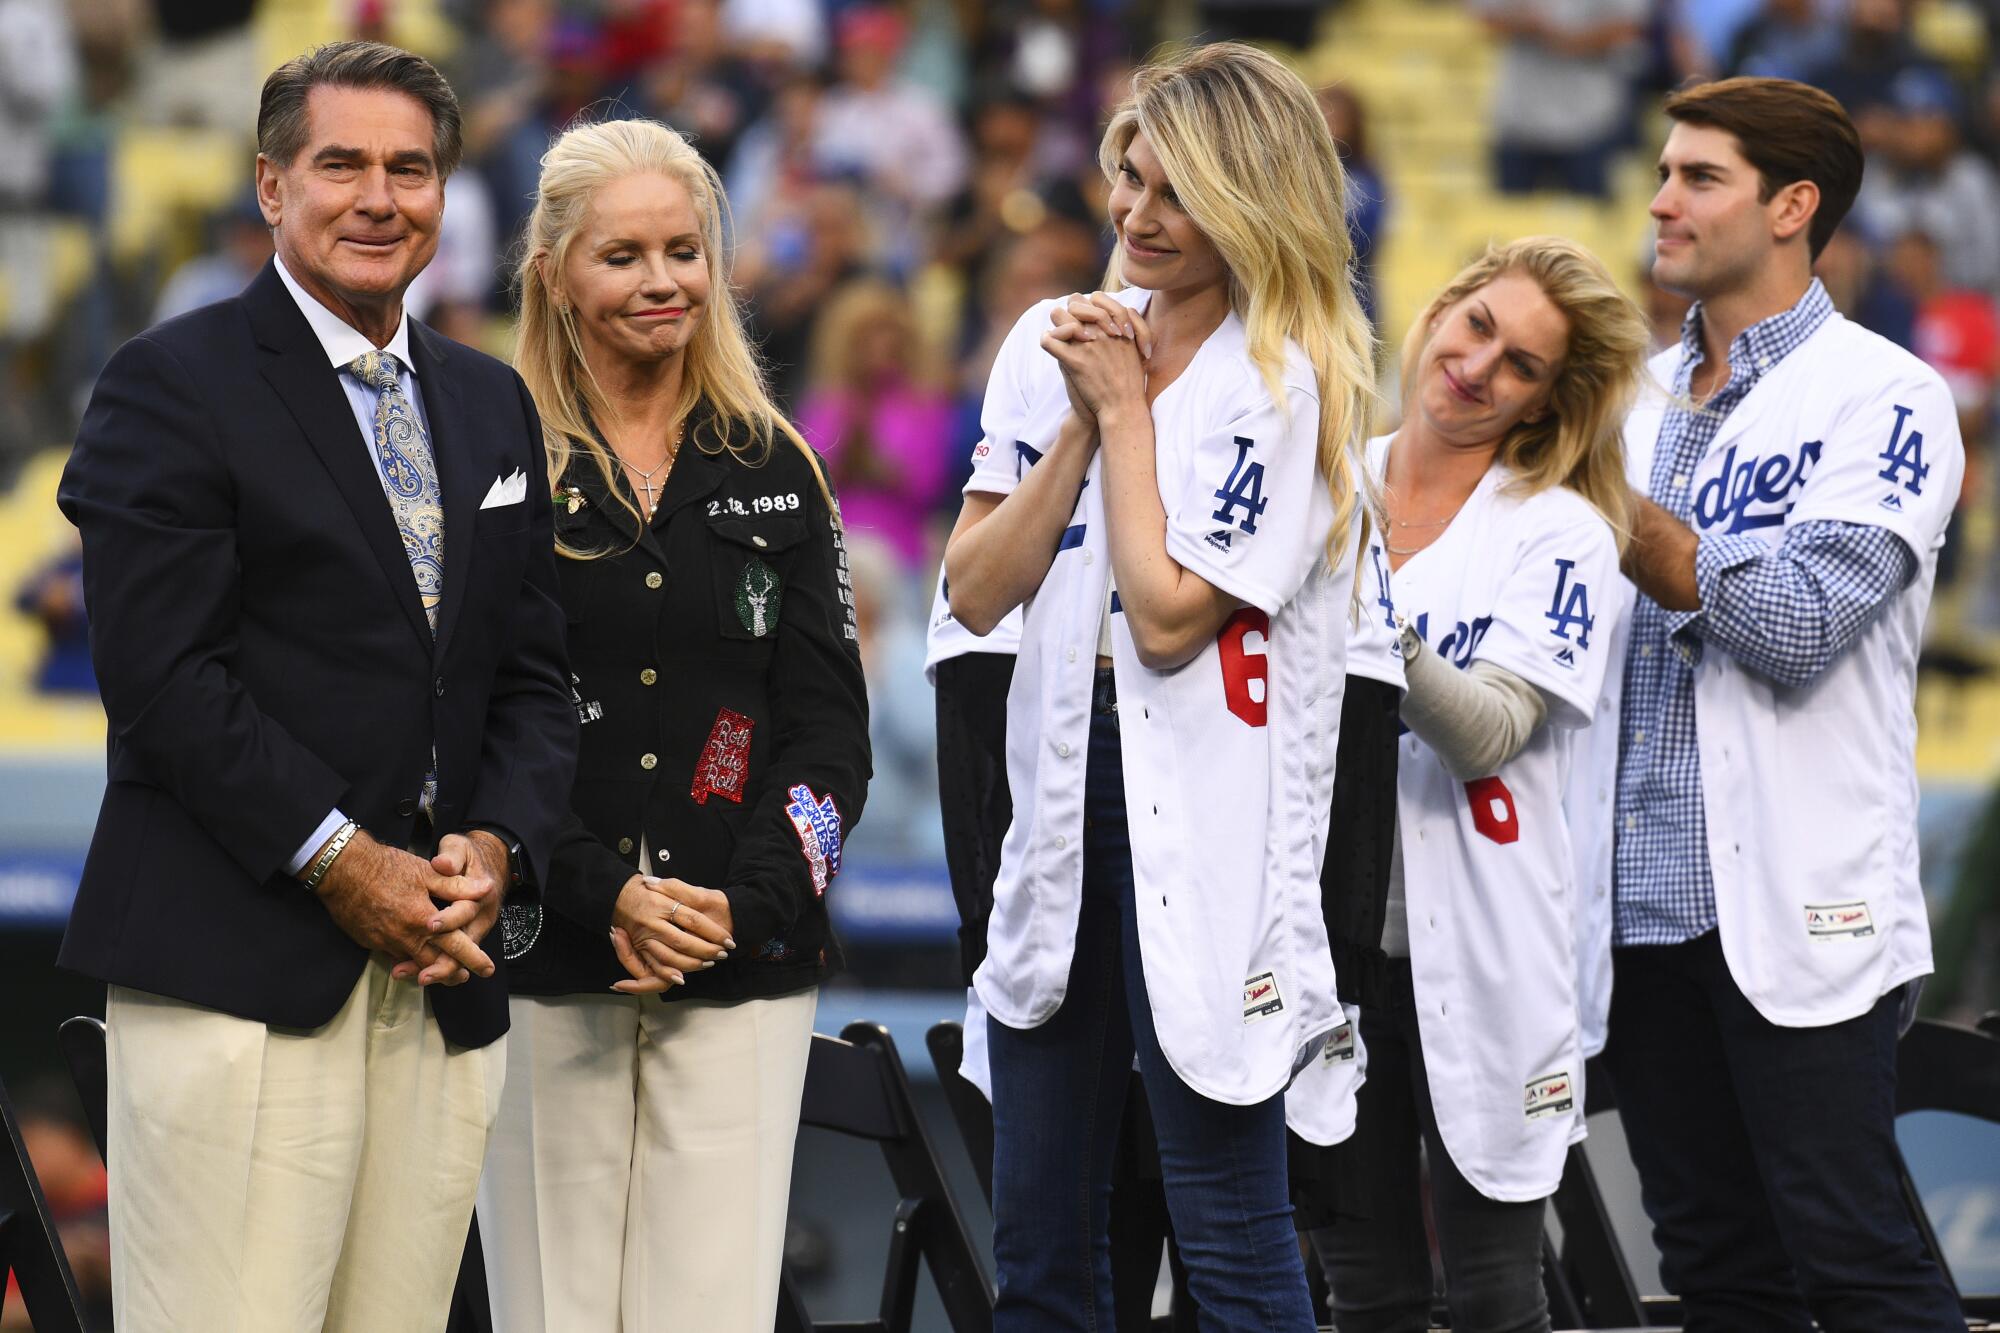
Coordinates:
x,y
1783,614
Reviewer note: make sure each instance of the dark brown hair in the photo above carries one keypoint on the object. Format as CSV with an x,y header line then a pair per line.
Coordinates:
x,y
281,114
1790,132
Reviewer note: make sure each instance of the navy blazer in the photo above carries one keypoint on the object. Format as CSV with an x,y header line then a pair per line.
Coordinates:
x,y
263,655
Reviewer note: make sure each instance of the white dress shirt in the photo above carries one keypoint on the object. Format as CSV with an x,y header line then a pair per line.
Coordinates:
x,y
342,342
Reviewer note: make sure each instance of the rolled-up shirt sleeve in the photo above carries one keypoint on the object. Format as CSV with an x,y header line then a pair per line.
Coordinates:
x,y
1788,614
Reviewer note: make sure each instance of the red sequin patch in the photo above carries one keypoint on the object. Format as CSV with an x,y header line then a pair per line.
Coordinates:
x,y
725,760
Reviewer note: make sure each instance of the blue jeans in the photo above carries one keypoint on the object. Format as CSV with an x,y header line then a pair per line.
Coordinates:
x,y
1058,1098
1766,1154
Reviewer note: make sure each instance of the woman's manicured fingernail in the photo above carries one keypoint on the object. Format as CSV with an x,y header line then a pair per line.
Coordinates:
x,y
729,944
707,965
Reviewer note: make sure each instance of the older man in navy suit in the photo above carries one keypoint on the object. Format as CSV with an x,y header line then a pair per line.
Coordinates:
x,y
318,566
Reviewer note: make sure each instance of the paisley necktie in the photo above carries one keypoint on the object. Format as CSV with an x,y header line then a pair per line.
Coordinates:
x,y
410,480
409,476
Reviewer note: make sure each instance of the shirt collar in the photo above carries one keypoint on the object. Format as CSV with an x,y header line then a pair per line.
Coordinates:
x,y
341,341
1759,348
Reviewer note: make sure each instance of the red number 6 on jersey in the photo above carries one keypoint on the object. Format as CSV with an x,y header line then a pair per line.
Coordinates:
x,y
1240,666
1493,809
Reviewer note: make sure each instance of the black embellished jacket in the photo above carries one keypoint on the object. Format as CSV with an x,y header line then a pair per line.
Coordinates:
x,y
724,720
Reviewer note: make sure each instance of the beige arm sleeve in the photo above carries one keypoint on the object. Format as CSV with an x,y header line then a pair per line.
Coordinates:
x,y
1476,719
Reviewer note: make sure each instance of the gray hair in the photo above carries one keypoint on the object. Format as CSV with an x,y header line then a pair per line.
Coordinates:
x,y
281,114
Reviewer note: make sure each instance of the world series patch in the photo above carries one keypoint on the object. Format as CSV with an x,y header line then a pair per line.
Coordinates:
x,y
757,598
725,761
817,822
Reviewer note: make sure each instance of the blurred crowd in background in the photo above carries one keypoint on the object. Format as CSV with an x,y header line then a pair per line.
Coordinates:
x,y
906,178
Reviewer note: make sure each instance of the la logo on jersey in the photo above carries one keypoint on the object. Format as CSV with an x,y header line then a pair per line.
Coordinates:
x,y
1244,490
1904,453
1569,610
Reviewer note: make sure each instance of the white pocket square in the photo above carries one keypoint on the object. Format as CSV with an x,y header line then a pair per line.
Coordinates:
x,y
507,491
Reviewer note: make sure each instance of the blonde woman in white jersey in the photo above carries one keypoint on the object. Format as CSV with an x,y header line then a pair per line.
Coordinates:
x,y
1180,470
1503,495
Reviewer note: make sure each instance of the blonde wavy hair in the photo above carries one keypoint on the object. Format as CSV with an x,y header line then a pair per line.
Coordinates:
x,y
1247,149
1579,443
721,371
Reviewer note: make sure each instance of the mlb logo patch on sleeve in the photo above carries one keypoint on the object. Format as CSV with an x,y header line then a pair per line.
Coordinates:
x,y
1839,921
1261,998
1550,1095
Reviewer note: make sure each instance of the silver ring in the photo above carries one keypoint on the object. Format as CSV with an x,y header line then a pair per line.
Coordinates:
x,y
673,911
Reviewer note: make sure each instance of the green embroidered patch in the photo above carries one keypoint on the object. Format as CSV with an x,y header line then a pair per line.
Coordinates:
x,y
757,597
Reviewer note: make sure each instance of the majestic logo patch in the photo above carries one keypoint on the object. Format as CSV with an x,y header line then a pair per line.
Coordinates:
x,y
757,598
1261,998
1339,1044
1551,1095
725,761
1833,921
817,822
1219,539
520,927
1566,657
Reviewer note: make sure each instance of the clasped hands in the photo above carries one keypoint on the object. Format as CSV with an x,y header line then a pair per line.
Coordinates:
x,y
430,916
662,929
1102,346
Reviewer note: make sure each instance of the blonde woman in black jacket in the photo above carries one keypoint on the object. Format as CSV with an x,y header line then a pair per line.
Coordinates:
x,y
639,1172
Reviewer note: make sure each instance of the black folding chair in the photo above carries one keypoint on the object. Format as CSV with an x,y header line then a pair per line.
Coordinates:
x,y
856,1085
1945,1067
969,1111
29,1246
82,1042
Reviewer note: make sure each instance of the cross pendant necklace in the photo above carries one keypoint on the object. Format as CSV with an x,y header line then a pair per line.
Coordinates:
x,y
646,475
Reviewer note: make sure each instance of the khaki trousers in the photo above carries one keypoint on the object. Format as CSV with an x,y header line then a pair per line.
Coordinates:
x,y
639,1175
283,1180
